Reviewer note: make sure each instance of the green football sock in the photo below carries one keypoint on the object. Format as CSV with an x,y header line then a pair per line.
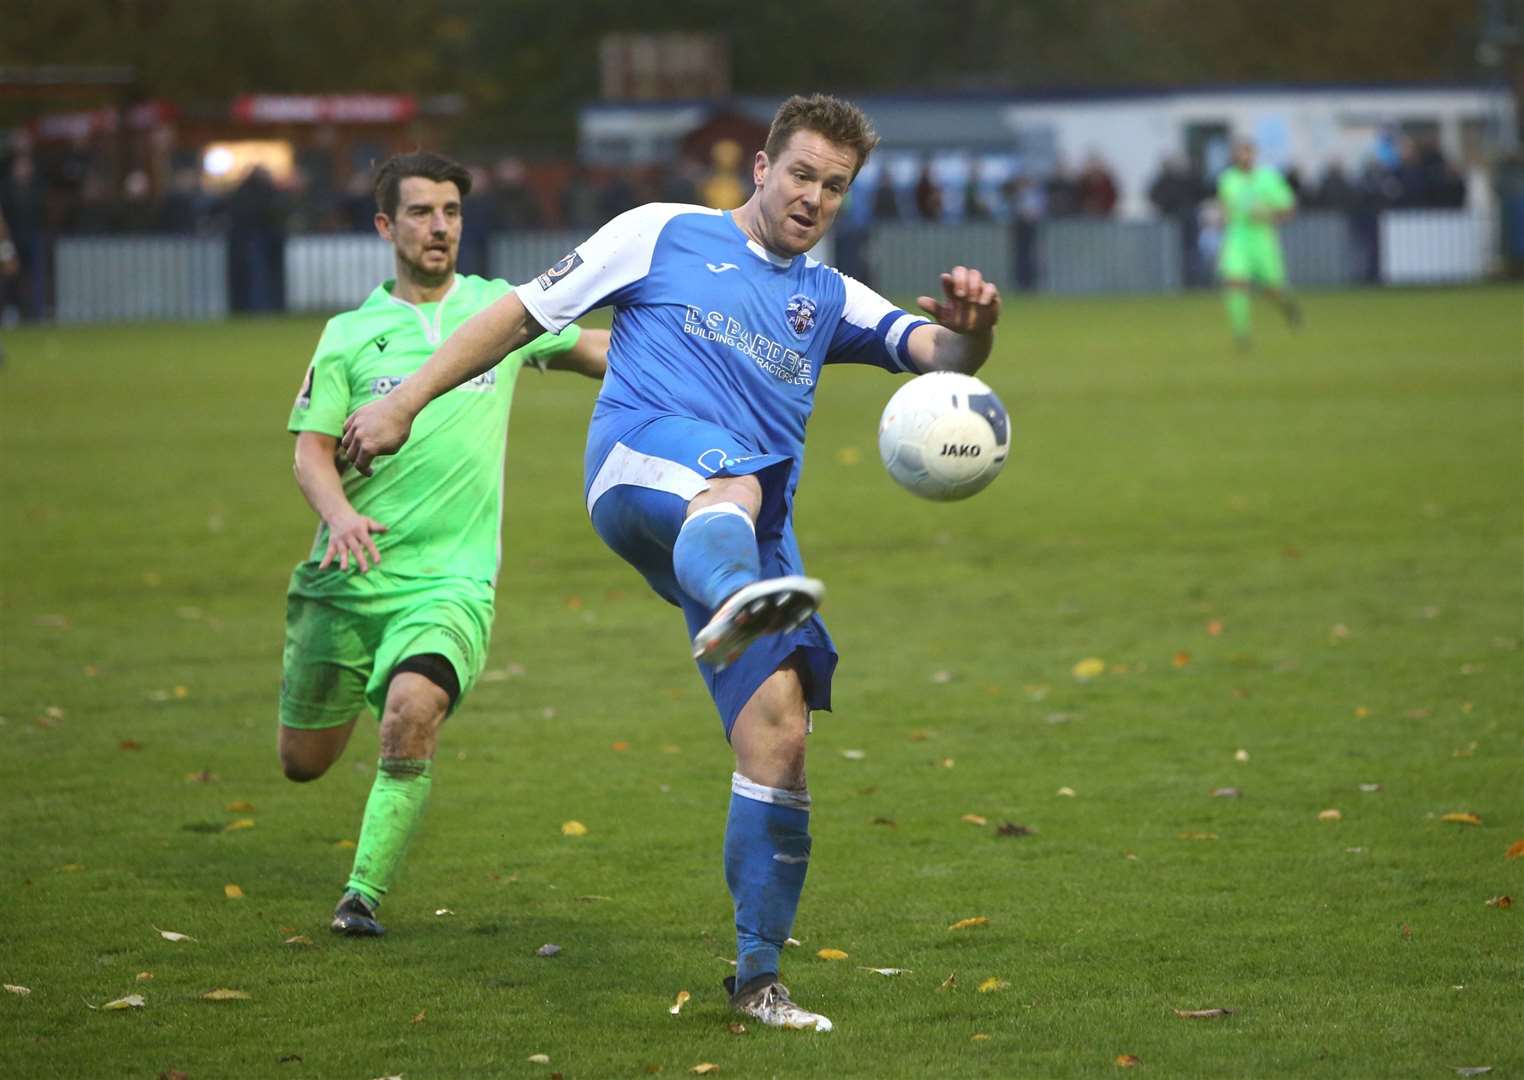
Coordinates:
x,y
392,815
1237,301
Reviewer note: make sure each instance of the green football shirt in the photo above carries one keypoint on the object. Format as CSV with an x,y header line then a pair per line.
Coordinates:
x,y
1243,194
442,494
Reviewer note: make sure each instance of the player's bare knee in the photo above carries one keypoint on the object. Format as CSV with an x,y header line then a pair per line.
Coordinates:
x,y
302,770
415,710
745,491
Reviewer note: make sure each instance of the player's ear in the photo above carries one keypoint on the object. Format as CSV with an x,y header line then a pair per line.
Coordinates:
x,y
384,227
759,168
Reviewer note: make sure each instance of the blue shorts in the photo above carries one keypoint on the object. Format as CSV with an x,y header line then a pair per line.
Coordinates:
x,y
638,495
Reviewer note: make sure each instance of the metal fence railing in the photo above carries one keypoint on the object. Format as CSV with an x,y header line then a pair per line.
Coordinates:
x,y
103,279
114,278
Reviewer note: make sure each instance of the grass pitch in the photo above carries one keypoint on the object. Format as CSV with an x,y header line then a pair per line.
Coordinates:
x,y
1312,555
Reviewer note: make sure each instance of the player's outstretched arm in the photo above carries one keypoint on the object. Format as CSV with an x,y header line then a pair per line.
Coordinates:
x,y
964,331
349,532
491,334
589,356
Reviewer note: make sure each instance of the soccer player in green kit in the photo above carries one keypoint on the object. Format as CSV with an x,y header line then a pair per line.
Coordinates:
x,y
392,609
1254,200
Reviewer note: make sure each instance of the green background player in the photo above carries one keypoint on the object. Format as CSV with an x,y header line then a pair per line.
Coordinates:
x,y
1254,199
393,607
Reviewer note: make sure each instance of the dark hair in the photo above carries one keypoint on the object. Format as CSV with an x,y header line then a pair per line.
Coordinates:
x,y
424,163
839,121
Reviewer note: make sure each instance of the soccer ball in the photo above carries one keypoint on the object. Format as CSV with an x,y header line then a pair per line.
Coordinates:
x,y
944,436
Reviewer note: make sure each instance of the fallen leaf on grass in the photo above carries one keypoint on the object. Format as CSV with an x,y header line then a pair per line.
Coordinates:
x,y
795,942
974,819
992,984
1407,932
854,755
1370,789
705,1068
1202,1014
1197,836
950,983
573,828
143,976
1066,792
1472,1070
831,954
736,1029
1500,902
131,1001
1128,1061
1011,828
72,868
547,950
1459,818
443,911
22,990
679,1001
347,845
1240,755
946,763
418,1018
889,971
232,892
1515,850
1226,793
173,1074
299,939
241,823
1214,628
539,1059
222,993
1088,668
1330,815
964,924
1181,659
620,746
171,935
589,898
240,806
978,1036
129,744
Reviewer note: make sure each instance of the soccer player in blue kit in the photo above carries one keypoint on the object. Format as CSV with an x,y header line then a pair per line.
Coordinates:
x,y
722,324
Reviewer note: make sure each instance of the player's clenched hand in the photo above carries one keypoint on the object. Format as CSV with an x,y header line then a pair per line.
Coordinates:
x,y
969,303
349,536
373,430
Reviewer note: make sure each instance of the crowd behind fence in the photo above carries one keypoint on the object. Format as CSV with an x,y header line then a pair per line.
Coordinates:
x,y
110,278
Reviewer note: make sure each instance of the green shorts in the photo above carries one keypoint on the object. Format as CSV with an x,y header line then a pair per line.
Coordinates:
x,y
1252,258
345,634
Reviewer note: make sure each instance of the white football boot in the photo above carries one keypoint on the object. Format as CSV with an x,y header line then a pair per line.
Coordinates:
x,y
769,606
766,1000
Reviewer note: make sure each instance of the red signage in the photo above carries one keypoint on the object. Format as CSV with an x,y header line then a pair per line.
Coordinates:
x,y
324,108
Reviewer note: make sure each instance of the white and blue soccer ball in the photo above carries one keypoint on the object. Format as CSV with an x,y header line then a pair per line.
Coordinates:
x,y
944,436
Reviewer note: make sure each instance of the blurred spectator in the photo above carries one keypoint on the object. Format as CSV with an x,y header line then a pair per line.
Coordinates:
x,y
478,223
10,281
256,244
928,195
886,203
1028,200
22,205
1174,192
516,206
722,188
1334,191
1061,194
137,212
616,196
359,202
680,184
187,208
1097,190
579,201
976,205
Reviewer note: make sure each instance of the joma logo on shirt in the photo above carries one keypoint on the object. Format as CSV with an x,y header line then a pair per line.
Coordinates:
x,y
778,360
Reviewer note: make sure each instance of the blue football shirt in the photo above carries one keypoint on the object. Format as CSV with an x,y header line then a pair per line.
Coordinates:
x,y
709,324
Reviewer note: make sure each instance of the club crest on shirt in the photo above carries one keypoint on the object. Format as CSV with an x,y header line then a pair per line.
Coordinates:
x,y
384,385
801,314
569,262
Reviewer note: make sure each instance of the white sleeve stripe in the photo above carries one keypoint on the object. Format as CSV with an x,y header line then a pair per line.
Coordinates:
x,y
530,298
896,333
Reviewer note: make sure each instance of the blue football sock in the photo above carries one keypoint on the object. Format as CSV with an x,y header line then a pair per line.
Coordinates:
x,y
767,851
716,553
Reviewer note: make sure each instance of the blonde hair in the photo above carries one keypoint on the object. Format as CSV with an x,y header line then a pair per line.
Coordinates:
x,y
836,120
